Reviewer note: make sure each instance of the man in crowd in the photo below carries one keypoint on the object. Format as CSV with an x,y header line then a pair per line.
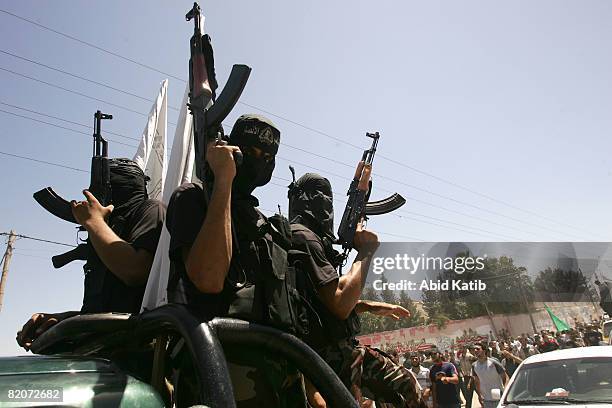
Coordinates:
x,y
465,382
422,375
124,238
548,343
592,336
364,370
488,374
444,380
510,362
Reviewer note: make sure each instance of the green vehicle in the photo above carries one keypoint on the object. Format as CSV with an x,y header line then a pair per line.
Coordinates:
x,y
120,360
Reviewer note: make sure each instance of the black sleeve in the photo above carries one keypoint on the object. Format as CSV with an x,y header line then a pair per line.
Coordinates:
x,y
147,228
321,271
186,213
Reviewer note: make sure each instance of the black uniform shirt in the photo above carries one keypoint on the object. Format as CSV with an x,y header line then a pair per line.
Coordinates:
x,y
105,292
321,271
186,214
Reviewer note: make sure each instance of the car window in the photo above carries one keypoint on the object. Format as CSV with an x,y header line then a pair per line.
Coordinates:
x,y
587,379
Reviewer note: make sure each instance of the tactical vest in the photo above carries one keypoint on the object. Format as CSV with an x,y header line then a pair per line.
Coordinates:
x,y
324,328
270,297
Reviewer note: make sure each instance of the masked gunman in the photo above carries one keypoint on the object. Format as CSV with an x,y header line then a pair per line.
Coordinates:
x,y
124,238
222,256
365,371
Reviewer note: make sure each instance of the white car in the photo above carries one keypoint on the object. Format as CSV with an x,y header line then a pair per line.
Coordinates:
x,y
579,376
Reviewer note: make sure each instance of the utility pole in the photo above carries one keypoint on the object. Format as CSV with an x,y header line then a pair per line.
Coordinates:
x,y
526,304
7,261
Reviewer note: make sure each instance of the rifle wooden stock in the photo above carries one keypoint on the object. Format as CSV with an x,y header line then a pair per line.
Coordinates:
x,y
80,253
386,205
55,204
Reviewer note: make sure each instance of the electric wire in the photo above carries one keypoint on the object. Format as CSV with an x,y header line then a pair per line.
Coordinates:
x,y
123,91
38,239
276,184
78,93
63,127
294,122
65,120
91,45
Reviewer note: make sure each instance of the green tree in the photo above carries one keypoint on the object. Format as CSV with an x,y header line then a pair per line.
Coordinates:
x,y
557,285
504,281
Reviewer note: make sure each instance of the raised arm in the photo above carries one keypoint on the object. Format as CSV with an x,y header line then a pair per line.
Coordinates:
x,y
207,261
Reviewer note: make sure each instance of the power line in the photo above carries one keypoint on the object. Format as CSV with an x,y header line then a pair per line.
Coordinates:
x,y
91,45
72,92
337,139
412,198
376,175
65,120
279,185
398,212
83,78
303,150
43,162
79,93
297,124
38,239
406,212
62,127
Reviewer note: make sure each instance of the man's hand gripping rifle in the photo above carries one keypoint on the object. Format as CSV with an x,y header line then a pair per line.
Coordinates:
x,y
207,110
357,207
99,186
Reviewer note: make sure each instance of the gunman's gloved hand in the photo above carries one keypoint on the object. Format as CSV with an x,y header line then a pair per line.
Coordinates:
x,y
220,158
89,211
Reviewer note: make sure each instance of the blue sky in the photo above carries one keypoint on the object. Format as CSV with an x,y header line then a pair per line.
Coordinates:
x,y
494,116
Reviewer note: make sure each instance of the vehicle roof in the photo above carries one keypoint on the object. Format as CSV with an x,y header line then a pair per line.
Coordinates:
x,y
578,352
31,364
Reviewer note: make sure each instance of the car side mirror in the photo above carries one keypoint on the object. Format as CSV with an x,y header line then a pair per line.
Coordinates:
x,y
495,394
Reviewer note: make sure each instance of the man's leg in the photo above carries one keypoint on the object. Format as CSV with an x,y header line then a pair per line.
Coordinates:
x,y
468,391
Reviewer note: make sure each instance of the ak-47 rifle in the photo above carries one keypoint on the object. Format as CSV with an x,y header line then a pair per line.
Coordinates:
x,y
202,86
357,207
99,186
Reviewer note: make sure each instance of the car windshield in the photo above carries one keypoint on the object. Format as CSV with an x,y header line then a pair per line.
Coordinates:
x,y
579,380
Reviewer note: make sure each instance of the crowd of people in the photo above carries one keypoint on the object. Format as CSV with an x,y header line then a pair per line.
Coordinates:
x,y
450,378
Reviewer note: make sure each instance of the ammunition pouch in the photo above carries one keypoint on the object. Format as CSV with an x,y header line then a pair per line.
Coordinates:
x,y
273,297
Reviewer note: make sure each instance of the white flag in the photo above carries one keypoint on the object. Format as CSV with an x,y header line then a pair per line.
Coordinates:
x,y
151,155
180,171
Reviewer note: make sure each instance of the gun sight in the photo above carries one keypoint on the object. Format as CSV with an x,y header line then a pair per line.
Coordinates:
x,y
195,11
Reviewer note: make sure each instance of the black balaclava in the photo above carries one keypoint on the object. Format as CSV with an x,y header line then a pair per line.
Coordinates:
x,y
311,204
254,131
129,187
311,199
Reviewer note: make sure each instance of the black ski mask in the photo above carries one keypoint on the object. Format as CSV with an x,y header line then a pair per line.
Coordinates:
x,y
254,131
129,187
311,204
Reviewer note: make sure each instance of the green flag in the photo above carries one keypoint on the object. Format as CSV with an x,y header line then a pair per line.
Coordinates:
x,y
559,324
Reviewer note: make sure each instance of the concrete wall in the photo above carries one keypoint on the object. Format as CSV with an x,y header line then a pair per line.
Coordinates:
x,y
459,331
